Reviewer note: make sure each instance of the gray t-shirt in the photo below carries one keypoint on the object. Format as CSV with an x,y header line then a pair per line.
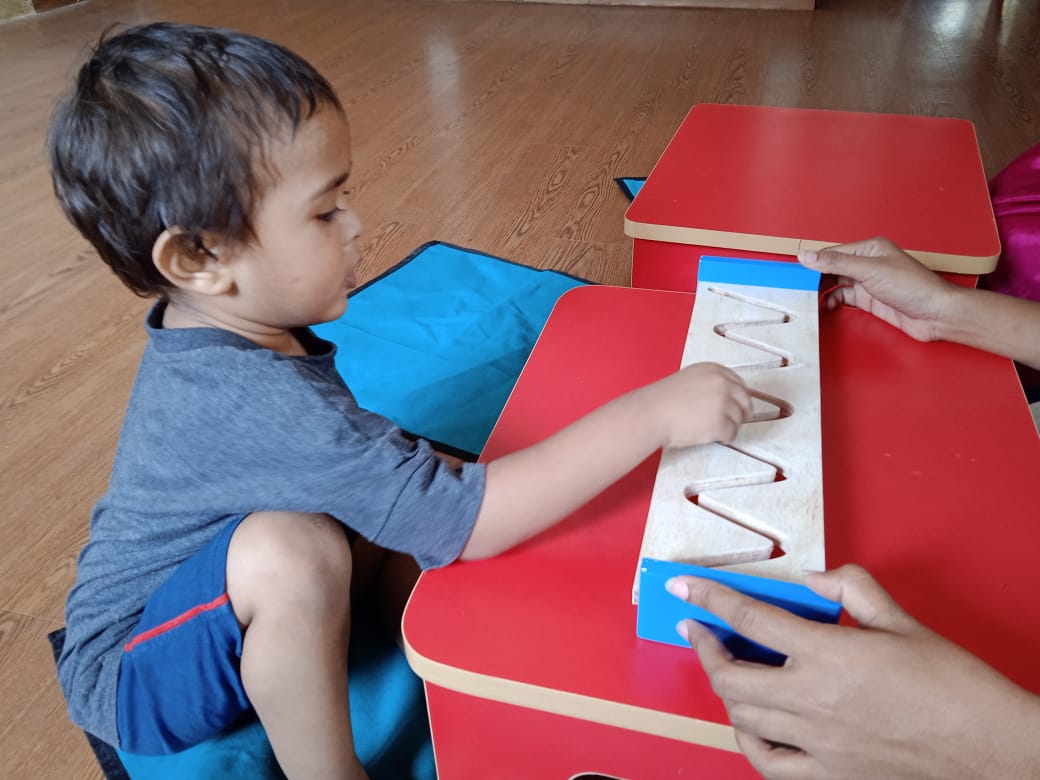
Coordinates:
x,y
217,427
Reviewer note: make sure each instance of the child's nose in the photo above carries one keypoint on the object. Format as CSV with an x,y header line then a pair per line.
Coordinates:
x,y
351,225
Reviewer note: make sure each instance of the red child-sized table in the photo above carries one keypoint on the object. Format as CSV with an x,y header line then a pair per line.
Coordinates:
x,y
775,180
531,659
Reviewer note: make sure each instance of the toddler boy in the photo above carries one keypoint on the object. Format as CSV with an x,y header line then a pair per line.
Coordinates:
x,y
209,169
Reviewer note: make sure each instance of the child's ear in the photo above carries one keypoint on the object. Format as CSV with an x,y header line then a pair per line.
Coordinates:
x,y
189,267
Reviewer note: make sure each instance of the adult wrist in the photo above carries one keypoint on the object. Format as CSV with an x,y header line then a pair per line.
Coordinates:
x,y
955,321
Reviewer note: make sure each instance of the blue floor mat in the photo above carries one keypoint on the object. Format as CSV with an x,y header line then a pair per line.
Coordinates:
x,y
437,343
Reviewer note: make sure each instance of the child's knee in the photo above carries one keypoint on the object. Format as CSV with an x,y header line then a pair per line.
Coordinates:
x,y
302,561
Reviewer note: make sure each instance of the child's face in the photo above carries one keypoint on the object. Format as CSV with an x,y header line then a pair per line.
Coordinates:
x,y
305,258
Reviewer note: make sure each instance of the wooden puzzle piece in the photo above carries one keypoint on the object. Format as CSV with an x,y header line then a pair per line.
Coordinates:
x,y
755,506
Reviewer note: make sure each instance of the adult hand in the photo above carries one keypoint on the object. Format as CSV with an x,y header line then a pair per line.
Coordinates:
x,y
878,277
888,699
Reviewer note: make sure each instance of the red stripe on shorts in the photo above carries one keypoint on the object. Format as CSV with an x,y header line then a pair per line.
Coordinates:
x,y
172,623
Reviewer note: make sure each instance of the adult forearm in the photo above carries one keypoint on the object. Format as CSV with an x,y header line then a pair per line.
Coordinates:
x,y
996,323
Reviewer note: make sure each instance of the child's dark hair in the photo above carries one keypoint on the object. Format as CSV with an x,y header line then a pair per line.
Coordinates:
x,y
168,126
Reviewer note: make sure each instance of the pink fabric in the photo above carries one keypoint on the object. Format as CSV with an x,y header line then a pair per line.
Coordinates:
x,y
1015,192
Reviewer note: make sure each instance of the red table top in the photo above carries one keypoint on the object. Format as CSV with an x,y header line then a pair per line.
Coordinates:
x,y
931,463
775,179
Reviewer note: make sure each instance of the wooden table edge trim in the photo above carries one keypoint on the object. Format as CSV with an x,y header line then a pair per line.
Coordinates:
x,y
572,705
746,242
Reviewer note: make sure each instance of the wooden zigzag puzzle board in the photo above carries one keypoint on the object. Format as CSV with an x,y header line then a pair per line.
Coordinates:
x,y
753,506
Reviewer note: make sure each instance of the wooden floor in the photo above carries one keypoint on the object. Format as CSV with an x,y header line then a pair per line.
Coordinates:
x,y
496,126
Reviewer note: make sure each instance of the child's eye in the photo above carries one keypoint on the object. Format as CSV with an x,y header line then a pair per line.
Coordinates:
x,y
328,216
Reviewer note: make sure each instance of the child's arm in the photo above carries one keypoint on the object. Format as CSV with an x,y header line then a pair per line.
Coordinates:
x,y
529,490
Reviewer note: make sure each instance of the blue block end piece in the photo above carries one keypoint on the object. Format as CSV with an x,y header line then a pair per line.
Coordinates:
x,y
757,273
659,611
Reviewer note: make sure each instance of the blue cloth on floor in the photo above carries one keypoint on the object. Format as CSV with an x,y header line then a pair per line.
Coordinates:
x,y
437,343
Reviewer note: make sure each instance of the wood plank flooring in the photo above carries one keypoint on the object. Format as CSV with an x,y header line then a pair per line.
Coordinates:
x,y
496,126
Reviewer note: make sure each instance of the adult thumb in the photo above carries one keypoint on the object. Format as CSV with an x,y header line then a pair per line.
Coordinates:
x,y
827,261
863,598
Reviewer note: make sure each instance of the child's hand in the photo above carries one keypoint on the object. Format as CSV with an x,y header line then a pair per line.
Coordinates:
x,y
701,403
529,489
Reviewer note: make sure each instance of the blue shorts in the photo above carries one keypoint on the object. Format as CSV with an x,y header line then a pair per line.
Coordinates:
x,y
179,677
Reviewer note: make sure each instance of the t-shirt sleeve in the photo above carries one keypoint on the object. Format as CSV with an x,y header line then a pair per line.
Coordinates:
x,y
394,491
297,441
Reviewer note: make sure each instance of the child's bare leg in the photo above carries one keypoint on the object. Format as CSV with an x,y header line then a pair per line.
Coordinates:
x,y
288,581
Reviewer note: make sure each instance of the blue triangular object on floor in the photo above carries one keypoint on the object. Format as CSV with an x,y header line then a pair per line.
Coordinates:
x,y
437,343
631,185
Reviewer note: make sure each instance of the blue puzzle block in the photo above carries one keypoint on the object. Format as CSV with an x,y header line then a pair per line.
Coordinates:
x,y
757,273
660,612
